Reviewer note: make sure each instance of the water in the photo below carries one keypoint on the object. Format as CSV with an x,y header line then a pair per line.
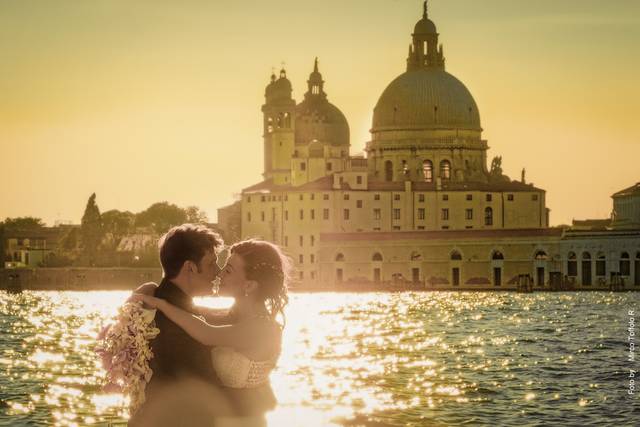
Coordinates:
x,y
402,359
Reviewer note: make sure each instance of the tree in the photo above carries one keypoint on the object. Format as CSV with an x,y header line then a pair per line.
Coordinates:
x,y
23,223
161,217
195,215
3,244
91,232
118,224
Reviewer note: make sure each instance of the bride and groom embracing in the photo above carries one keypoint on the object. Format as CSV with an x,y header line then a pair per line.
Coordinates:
x,y
211,367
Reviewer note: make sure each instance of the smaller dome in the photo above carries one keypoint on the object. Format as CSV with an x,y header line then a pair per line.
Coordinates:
x,y
425,26
279,89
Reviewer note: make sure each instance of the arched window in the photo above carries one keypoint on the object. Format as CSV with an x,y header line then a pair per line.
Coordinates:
x,y
388,171
445,170
455,256
497,255
488,216
572,264
625,264
586,255
427,170
541,256
377,257
340,258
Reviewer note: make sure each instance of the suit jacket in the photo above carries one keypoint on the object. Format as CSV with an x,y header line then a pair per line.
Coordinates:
x,y
178,357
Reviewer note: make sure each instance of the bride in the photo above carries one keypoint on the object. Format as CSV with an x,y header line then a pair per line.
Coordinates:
x,y
245,341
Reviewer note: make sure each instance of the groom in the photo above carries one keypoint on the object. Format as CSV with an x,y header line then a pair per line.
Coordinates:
x,y
184,389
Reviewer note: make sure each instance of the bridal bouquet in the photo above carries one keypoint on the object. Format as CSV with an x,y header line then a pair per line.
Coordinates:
x,y
125,352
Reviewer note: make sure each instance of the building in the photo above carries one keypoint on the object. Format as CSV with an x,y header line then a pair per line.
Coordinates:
x,y
422,206
31,248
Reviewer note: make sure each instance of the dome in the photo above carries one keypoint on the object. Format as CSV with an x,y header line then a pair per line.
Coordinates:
x,y
425,26
318,119
424,99
278,88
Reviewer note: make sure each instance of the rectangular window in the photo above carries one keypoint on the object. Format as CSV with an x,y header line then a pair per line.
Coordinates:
x,y
313,196
313,240
302,275
421,198
312,258
301,196
325,196
248,199
303,166
313,214
262,216
445,227
345,214
421,213
445,197
445,214
396,213
396,227
325,214
248,216
301,240
377,213
421,227
329,166
534,197
469,196
510,197
489,197
301,214
376,197
263,198
396,197
359,203
346,197
286,215
301,259
468,213
359,179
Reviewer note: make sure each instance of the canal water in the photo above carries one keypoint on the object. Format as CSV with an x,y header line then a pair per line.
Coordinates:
x,y
378,359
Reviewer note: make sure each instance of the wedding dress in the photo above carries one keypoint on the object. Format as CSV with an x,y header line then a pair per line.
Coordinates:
x,y
236,370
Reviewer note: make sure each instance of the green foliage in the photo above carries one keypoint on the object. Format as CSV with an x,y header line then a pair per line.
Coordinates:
x,y
2,244
118,224
91,232
195,215
23,223
161,217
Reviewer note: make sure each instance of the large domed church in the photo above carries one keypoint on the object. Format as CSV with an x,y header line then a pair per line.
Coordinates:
x,y
420,205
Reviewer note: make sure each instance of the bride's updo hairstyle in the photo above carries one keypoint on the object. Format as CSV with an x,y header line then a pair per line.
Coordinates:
x,y
269,268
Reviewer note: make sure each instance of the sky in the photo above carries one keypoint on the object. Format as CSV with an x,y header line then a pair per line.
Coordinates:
x,y
147,101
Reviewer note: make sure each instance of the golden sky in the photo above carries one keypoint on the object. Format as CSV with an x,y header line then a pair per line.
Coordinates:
x,y
145,101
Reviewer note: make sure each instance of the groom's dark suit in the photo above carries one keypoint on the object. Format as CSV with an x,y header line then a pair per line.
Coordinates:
x,y
176,356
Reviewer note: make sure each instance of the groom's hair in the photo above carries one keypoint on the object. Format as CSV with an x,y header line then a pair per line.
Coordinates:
x,y
183,243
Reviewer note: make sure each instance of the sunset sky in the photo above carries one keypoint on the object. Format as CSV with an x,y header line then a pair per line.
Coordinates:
x,y
145,101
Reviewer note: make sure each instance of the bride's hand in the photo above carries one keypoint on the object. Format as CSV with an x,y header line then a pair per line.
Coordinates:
x,y
148,300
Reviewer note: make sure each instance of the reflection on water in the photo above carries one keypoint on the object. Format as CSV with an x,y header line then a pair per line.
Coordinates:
x,y
435,358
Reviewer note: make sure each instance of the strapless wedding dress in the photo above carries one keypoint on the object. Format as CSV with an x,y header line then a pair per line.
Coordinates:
x,y
236,370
